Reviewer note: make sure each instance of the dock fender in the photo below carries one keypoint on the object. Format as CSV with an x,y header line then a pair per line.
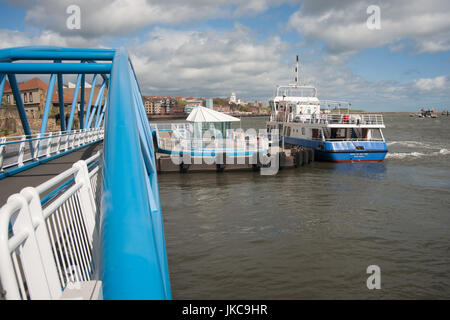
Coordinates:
x,y
311,155
282,157
184,167
220,167
186,161
305,156
298,158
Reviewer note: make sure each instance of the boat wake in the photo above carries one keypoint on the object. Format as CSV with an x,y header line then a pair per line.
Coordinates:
x,y
412,155
411,144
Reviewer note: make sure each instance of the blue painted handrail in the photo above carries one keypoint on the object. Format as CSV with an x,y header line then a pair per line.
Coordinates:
x,y
134,263
133,252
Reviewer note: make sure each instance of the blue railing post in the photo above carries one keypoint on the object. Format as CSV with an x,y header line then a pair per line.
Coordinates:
x,y
2,86
98,101
74,103
91,95
83,84
48,103
62,115
100,117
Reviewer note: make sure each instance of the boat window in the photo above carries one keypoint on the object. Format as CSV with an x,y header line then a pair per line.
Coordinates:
x,y
315,134
303,131
338,133
364,133
375,134
288,131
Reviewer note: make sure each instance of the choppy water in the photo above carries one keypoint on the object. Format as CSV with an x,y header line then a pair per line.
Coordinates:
x,y
310,233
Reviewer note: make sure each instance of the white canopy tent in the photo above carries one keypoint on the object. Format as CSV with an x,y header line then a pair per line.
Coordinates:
x,y
206,119
202,114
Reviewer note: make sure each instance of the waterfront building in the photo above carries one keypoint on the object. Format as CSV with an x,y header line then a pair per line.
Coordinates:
x,y
33,94
159,104
233,98
209,103
191,103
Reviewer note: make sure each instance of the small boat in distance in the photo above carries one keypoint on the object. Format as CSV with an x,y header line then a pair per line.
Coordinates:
x,y
336,134
430,113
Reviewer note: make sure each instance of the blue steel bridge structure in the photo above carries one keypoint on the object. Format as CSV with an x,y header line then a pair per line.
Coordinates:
x,y
94,230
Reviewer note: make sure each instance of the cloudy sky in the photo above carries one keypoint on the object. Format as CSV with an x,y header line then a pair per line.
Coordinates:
x,y
211,48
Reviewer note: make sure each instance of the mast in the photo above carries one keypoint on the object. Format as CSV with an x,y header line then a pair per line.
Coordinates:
x,y
296,71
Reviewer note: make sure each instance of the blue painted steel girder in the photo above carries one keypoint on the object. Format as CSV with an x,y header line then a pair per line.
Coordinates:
x,y
44,68
74,103
48,101
2,86
91,96
19,103
54,53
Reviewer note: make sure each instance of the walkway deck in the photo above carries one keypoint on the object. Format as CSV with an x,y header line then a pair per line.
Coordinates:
x,y
43,172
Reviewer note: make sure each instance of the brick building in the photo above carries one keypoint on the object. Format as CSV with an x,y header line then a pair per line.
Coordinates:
x,y
33,94
159,104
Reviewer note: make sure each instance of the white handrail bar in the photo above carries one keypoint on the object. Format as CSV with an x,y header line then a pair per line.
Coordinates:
x,y
19,152
45,247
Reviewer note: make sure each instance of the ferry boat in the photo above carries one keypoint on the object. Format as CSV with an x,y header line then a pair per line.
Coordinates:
x,y
334,133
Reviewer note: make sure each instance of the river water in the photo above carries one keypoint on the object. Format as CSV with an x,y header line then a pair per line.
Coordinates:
x,y
311,233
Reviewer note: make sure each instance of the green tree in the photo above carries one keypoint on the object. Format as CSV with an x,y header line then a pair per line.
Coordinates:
x,y
243,108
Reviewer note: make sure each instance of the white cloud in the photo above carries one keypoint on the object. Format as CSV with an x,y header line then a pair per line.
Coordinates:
x,y
14,38
215,64
342,25
429,84
209,63
121,17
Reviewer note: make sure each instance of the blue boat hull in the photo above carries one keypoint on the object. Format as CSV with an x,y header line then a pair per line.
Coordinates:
x,y
343,151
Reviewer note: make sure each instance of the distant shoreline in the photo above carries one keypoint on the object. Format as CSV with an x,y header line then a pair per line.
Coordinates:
x,y
184,116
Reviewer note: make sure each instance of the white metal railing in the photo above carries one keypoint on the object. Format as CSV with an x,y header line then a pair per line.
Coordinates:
x,y
358,119
178,137
166,126
18,150
253,144
332,118
48,236
237,143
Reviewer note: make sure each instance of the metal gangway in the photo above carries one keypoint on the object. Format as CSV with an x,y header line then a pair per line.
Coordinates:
x,y
94,231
